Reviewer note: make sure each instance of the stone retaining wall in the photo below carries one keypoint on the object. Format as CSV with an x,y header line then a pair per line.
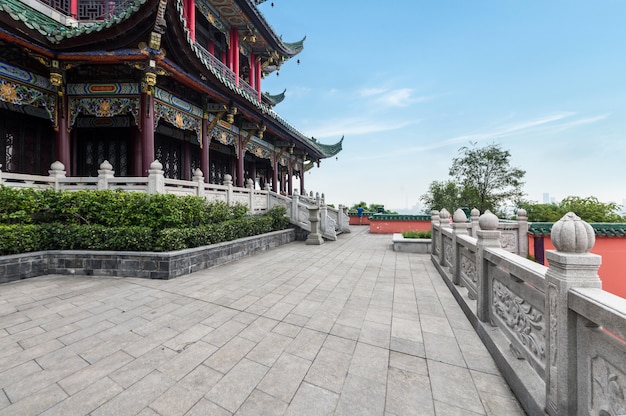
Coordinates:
x,y
152,265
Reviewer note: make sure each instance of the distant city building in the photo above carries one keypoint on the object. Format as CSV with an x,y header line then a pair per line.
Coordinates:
x,y
546,198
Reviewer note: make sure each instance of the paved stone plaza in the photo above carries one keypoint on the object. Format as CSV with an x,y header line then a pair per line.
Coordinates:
x,y
346,328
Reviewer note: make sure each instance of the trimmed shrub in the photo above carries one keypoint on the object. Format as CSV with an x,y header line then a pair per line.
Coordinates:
x,y
416,234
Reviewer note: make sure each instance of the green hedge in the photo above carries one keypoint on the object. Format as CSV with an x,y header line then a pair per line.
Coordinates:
x,y
33,220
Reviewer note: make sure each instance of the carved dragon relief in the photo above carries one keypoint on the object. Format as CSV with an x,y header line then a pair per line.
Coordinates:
x,y
523,319
508,241
607,389
447,254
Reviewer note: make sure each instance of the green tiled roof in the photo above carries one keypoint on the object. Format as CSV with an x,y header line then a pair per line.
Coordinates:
x,y
602,229
399,217
275,99
54,31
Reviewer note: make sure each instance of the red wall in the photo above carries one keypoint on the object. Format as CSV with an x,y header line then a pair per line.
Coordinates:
x,y
355,220
612,271
397,226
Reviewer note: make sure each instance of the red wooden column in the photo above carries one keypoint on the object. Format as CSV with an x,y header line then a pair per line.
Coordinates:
x,y
63,137
212,47
231,47
147,139
258,79
236,55
290,179
74,8
275,174
240,163
204,152
252,70
302,190
191,18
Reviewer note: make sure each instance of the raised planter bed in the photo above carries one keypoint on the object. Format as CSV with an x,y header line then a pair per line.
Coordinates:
x,y
152,265
411,245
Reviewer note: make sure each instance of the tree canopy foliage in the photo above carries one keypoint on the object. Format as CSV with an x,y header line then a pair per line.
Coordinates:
x,y
589,209
480,177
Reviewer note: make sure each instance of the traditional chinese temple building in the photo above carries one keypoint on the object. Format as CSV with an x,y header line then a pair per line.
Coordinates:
x,y
131,81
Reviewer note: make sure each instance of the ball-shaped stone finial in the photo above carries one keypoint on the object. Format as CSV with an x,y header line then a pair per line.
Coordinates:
x,y
570,234
444,214
106,165
488,221
475,213
57,166
156,165
521,213
459,216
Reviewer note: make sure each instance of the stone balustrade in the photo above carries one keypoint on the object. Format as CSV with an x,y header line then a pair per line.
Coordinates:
x,y
332,221
558,338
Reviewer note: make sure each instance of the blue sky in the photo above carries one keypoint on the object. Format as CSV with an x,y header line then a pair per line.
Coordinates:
x,y
409,82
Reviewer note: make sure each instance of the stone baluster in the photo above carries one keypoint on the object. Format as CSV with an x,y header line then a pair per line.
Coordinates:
x,y
198,178
250,188
571,265
323,219
318,200
488,236
474,216
444,222
314,237
156,178
459,227
295,202
57,171
434,221
104,174
228,182
522,220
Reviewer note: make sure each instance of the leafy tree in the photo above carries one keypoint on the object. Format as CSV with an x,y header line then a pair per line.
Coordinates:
x,y
589,209
482,178
442,194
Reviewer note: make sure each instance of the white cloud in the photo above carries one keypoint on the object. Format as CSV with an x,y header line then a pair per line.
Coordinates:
x,y
357,126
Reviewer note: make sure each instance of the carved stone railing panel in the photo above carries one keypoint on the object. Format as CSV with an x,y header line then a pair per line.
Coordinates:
x,y
468,271
600,348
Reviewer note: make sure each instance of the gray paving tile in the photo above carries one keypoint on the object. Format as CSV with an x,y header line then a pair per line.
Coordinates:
x,y
361,396
232,390
329,370
454,385
260,403
408,393
285,376
312,401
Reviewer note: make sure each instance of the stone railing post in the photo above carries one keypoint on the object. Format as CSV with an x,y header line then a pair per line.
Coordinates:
x,y
318,200
459,227
104,174
343,220
488,236
57,171
434,220
323,219
474,216
314,238
444,222
228,182
522,243
268,189
250,187
571,265
198,178
156,179
295,201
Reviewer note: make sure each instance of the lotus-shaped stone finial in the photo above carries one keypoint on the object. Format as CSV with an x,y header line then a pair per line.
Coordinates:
x,y
572,235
